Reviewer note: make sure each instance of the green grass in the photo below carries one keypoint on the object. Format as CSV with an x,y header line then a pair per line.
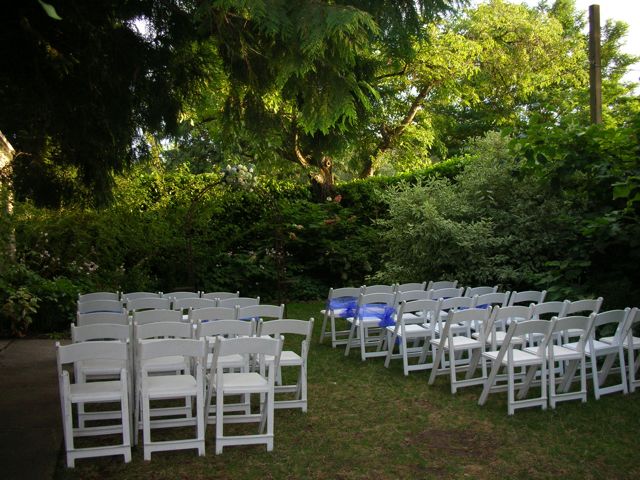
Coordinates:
x,y
366,421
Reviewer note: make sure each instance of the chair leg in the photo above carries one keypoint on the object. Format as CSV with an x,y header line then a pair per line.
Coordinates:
x,y
302,383
552,383
510,389
452,369
436,365
126,433
201,422
270,413
219,420
350,339
405,356
495,368
324,327
391,340
363,337
146,425
68,432
595,376
632,367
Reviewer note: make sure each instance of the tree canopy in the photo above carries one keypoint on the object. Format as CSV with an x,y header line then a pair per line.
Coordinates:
x,y
302,88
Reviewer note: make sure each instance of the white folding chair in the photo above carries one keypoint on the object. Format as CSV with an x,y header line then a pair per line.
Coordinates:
x,y
238,301
99,368
410,286
262,311
136,295
266,352
94,318
210,314
453,304
126,297
451,344
154,332
411,295
220,295
94,392
183,305
501,316
148,303
94,306
144,317
374,312
341,303
631,343
472,291
163,387
379,288
445,293
442,284
527,297
415,323
285,328
583,307
596,348
179,295
228,328
86,297
511,357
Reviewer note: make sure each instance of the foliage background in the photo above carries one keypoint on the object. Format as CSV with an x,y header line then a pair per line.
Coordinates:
x,y
554,209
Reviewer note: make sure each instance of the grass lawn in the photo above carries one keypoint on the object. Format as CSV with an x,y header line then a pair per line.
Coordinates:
x,y
366,421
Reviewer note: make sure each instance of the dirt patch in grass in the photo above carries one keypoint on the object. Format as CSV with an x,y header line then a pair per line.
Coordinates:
x,y
460,443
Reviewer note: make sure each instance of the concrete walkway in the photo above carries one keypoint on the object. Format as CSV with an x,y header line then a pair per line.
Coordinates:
x,y
30,424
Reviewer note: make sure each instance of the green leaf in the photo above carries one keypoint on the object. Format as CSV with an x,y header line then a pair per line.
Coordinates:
x,y
50,10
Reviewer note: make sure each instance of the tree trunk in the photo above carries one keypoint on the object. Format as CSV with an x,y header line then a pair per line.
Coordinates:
x,y
389,135
6,189
322,184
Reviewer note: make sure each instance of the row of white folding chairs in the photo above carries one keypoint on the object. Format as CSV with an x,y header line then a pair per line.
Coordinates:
x,y
408,292
343,302
367,332
144,303
135,295
548,355
192,316
412,325
532,342
162,363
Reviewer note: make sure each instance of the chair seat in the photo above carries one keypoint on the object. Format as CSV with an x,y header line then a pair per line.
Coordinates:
x,y
227,361
412,317
366,321
635,342
289,358
96,391
520,357
97,366
338,312
162,385
164,364
244,382
413,330
601,348
559,352
500,336
459,343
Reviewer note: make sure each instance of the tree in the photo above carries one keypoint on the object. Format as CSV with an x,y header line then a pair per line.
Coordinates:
x,y
81,89
302,73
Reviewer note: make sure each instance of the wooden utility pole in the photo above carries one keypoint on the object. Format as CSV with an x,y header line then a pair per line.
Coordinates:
x,y
595,74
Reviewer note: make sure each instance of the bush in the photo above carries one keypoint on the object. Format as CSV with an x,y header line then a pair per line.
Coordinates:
x,y
486,227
